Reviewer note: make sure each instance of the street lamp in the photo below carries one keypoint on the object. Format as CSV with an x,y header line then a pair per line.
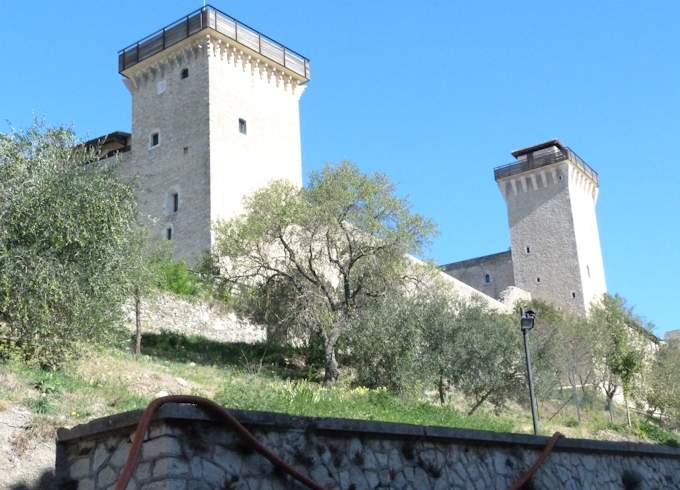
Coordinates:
x,y
526,321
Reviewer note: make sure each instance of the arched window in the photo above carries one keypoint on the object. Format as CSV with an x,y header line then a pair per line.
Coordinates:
x,y
487,278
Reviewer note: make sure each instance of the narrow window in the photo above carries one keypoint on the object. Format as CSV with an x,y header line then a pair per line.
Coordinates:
x,y
168,233
538,279
186,150
573,294
185,73
242,126
155,139
528,250
175,202
487,278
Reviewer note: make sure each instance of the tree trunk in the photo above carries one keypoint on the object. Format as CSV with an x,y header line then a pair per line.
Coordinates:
x,y
138,324
609,407
479,402
577,400
440,386
331,372
625,402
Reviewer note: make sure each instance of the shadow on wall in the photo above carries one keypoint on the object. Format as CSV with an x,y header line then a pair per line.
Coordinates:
x,y
45,482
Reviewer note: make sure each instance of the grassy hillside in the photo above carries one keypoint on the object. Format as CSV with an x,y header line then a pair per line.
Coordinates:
x,y
107,381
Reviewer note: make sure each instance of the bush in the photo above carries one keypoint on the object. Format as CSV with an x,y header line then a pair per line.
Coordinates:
x,y
68,231
177,278
652,431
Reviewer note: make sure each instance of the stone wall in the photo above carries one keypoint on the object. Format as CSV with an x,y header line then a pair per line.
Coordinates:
x,y
554,236
227,123
186,450
212,320
491,274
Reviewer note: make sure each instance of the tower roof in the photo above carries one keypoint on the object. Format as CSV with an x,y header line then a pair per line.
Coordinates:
x,y
209,17
542,155
540,146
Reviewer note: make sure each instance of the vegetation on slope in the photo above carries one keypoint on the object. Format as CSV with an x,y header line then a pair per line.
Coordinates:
x,y
106,381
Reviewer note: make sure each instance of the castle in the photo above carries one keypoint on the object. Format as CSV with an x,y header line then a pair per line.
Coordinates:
x,y
215,116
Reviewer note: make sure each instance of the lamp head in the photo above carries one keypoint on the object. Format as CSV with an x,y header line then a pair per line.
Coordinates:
x,y
527,319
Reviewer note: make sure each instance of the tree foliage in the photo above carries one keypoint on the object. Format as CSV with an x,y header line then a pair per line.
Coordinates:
x,y
433,338
473,349
663,384
312,257
618,346
67,232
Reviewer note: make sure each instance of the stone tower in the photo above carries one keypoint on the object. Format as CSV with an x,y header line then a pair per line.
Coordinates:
x,y
215,116
550,194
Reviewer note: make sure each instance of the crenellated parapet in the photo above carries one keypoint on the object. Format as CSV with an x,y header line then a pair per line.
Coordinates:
x,y
212,33
545,165
213,46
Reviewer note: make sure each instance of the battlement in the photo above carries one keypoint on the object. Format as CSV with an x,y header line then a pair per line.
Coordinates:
x,y
209,17
542,155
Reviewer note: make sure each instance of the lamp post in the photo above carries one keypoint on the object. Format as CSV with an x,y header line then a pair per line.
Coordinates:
x,y
526,321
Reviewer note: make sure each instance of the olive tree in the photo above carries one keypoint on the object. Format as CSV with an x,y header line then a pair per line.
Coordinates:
x,y
663,384
618,346
433,338
471,348
314,256
385,342
67,231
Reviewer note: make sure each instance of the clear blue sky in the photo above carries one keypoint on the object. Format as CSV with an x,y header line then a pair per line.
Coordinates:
x,y
435,94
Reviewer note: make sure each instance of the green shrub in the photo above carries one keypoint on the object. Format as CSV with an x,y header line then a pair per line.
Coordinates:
x,y
67,235
652,431
176,277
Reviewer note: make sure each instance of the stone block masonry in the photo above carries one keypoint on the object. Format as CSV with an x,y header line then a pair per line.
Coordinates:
x,y
187,316
187,450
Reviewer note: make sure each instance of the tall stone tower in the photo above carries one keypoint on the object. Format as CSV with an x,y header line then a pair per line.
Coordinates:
x,y
215,116
551,193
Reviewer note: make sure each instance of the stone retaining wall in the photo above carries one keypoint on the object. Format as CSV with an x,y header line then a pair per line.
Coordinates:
x,y
186,450
212,320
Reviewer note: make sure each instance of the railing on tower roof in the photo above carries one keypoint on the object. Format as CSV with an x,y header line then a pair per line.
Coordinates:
x,y
531,162
210,17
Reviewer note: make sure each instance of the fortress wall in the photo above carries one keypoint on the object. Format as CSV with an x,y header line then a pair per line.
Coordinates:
x,y
184,449
473,273
214,321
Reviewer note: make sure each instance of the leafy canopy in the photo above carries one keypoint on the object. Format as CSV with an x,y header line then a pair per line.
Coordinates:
x,y
66,236
309,258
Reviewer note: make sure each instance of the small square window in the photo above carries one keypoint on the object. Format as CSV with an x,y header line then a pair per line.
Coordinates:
x,y
185,73
168,233
155,139
242,126
186,150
